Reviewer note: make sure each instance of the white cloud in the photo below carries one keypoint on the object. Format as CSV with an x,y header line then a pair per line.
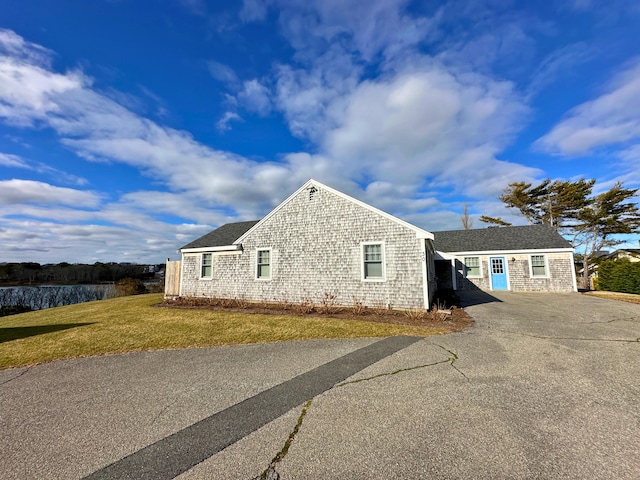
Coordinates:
x,y
179,205
14,161
313,99
15,46
221,72
611,120
255,97
557,63
27,240
369,28
29,191
223,123
26,84
427,124
397,141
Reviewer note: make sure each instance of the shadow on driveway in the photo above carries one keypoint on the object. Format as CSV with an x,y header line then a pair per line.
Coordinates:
x,y
469,298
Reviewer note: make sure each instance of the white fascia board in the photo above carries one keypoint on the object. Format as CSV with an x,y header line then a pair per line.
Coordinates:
x,y
225,248
506,252
420,233
444,256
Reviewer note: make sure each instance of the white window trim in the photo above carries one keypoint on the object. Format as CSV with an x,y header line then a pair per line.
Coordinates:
x,y
480,274
383,278
207,277
546,266
257,277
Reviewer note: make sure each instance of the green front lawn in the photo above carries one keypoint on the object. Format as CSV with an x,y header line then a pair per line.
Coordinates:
x,y
129,324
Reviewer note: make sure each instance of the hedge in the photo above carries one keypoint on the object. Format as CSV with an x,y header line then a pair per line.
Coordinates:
x,y
619,276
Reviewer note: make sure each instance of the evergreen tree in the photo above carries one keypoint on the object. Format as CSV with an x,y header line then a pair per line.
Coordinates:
x,y
495,221
556,203
610,213
570,208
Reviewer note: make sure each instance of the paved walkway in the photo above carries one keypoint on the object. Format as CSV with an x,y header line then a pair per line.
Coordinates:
x,y
544,386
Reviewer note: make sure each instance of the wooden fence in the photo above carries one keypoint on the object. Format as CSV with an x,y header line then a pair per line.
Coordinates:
x,y
172,279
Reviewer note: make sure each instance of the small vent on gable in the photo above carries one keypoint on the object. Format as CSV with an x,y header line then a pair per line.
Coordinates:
x,y
312,193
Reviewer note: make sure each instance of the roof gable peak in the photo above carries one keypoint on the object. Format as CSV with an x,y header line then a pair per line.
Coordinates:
x,y
311,183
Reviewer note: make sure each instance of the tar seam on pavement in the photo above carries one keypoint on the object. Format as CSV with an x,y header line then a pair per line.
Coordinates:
x,y
173,455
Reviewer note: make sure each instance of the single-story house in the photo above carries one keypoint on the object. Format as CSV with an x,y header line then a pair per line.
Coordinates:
x,y
321,245
524,258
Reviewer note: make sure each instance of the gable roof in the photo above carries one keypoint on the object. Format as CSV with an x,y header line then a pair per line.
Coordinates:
x,y
311,183
222,236
529,237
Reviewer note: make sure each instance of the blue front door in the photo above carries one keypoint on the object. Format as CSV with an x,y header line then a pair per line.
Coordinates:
x,y
498,271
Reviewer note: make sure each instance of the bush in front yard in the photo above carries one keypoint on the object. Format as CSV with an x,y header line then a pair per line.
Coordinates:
x,y
129,286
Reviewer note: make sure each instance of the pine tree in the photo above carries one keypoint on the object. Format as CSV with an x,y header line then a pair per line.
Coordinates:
x,y
550,203
495,221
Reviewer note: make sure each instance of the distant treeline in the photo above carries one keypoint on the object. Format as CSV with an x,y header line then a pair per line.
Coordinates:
x,y
30,273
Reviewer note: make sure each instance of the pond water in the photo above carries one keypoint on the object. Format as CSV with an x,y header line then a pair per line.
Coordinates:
x,y
47,296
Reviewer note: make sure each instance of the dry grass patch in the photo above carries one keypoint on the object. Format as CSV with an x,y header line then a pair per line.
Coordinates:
x,y
622,297
134,324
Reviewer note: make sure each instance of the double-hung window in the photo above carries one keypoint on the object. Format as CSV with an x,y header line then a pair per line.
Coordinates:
x,y
206,265
472,267
538,266
373,261
263,267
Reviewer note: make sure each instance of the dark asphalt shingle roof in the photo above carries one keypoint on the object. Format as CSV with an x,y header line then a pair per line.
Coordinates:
x,y
222,236
499,238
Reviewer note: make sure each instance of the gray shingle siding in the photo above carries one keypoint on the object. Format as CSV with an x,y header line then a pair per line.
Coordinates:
x,y
316,249
559,276
516,245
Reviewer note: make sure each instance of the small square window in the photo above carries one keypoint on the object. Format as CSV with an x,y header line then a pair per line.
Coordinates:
x,y
538,266
263,270
472,266
206,268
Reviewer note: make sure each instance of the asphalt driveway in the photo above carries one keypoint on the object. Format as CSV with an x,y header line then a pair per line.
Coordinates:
x,y
544,386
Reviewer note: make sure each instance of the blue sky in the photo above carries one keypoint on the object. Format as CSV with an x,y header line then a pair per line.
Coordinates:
x,y
129,128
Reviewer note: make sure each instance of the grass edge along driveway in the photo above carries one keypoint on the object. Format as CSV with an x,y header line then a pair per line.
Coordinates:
x,y
130,324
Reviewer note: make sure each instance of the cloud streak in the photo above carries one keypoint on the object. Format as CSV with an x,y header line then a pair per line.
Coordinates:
x,y
13,192
610,120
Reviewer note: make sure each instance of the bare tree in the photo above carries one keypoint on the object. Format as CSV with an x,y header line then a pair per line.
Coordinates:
x,y
467,221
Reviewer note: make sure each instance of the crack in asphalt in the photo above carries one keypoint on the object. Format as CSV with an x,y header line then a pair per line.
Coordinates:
x,y
162,410
450,360
270,472
17,376
549,337
182,450
387,374
625,319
